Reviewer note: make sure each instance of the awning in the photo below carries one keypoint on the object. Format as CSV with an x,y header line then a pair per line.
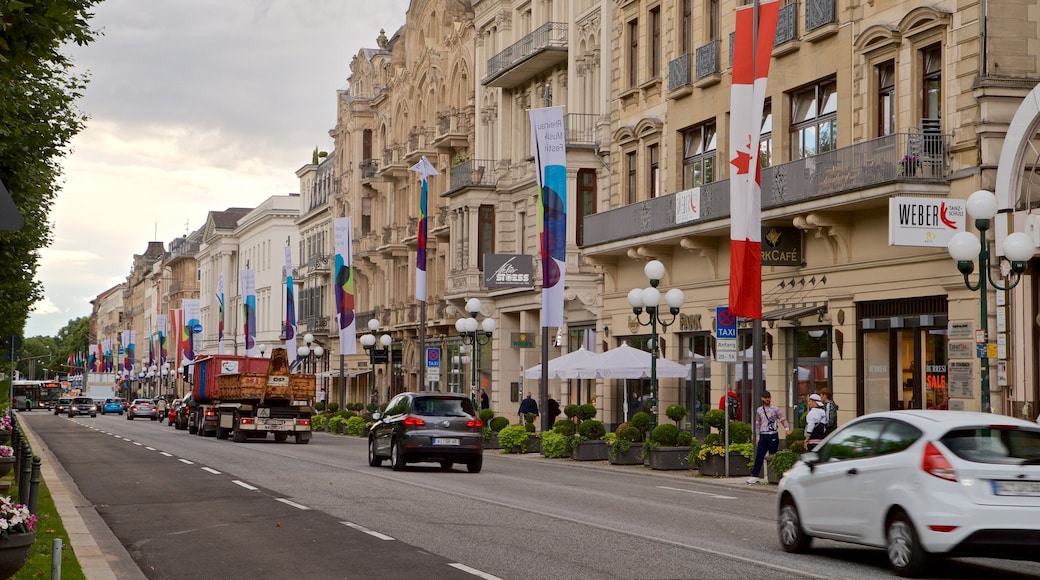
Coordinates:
x,y
346,373
794,312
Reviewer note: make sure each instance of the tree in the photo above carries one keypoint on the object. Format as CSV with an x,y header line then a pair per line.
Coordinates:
x,y
38,119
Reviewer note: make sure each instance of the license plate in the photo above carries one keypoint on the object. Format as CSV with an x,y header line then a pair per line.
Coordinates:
x,y
1024,488
275,421
445,441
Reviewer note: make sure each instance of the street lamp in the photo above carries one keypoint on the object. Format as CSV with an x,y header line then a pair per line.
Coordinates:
x,y
965,248
152,372
649,298
166,378
467,329
368,341
308,352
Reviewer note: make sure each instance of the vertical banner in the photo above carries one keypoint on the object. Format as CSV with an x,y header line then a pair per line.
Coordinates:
x,y
247,278
192,326
220,313
343,236
160,322
94,356
550,154
290,306
425,169
124,351
151,347
747,99
177,334
131,350
106,355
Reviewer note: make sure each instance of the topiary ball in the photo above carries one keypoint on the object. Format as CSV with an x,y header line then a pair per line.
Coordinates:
x,y
630,434
571,410
592,429
739,432
641,421
486,415
498,423
586,411
675,412
665,434
684,439
564,427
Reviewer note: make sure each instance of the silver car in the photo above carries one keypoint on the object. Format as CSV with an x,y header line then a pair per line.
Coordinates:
x,y
82,406
433,427
143,408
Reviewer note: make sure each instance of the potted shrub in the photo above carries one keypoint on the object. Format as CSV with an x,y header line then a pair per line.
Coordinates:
x,y
513,439
534,442
589,444
676,413
556,444
335,424
355,426
665,453
779,463
627,447
496,424
712,456
486,415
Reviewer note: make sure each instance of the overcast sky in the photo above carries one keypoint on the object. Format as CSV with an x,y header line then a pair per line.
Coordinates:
x,y
194,105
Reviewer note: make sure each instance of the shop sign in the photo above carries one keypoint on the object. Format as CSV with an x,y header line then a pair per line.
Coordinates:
x,y
960,330
960,379
507,270
924,222
781,246
688,205
959,349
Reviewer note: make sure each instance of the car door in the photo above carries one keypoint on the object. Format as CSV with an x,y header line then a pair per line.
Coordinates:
x,y
384,429
834,489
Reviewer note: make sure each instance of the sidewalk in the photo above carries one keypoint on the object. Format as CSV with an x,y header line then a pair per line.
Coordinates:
x,y
99,552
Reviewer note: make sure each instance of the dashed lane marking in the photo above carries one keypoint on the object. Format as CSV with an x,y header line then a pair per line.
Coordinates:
x,y
243,484
714,495
372,533
211,470
165,453
473,571
186,462
292,503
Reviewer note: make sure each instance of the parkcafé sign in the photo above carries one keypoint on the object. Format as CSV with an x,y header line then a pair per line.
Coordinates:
x,y
924,221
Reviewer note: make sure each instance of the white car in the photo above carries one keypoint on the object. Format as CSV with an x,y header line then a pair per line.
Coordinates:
x,y
919,484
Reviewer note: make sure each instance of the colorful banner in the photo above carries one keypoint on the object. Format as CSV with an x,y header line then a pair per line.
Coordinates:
x,y
747,99
290,306
160,323
220,313
106,355
343,236
177,334
425,169
131,349
550,154
151,347
192,326
247,278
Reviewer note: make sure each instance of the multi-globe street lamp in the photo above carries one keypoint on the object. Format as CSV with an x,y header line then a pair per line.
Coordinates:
x,y
649,298
368,341
965,248
467,329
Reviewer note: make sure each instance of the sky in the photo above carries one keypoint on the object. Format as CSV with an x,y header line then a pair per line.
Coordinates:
x,y
193,106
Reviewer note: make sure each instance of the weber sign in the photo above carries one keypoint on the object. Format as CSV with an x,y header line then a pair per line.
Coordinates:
x,y
924,222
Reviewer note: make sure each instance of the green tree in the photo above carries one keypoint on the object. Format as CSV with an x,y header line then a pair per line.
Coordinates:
x,y
38,119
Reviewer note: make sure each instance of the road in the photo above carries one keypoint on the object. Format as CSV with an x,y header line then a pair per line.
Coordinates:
x,y
188,507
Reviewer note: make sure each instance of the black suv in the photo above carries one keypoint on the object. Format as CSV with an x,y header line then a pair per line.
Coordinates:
x,y
435,427
82,406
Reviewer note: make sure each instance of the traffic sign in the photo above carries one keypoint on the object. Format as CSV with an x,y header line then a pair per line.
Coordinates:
x,y
725,323
726,350
433,357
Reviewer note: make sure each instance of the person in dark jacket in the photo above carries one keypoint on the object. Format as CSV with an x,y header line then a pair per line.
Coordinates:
x,y
485,401
553,408
528,405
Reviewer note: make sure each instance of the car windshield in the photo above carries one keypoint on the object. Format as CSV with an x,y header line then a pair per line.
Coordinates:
x,y
116,401
83,401
142,402
442,407
995,444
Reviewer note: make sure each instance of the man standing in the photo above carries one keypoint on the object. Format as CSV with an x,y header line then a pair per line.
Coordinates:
x,y
830,409
767,438
485,401
528,405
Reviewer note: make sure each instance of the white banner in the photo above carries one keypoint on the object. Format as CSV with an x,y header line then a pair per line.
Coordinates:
x,y
924,221
344,286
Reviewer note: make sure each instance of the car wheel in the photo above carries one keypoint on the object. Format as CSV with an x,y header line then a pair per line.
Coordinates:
x,y
302,439
789,527
396,457
373,459
447,464
474,465
905,553
223,434
239,436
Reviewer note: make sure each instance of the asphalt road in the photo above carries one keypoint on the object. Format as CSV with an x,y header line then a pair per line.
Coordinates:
x,y
190,507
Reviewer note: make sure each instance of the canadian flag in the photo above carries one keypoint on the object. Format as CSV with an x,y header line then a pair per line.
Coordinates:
x,y
751,55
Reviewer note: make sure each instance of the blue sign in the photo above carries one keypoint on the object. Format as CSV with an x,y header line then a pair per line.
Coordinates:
x,y
433,357
196,328
725,323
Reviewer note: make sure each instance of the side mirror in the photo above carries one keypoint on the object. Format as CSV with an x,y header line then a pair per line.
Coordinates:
x,y
376,416
811,459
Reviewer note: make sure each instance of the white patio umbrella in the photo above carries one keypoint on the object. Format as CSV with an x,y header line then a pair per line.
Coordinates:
x,y
626,362
578,364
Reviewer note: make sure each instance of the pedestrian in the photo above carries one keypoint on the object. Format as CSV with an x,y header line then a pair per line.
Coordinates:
x,y
553,409
830,408
161,408
634,406
528,405
767,437
485,401
28,404
730,403
815,422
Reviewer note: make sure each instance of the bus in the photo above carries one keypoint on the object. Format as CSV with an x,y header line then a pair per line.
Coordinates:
x,y
23,391
50,392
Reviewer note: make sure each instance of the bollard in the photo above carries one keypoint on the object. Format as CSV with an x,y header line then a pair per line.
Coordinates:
x,y
34,484
16,446
56,559
23,477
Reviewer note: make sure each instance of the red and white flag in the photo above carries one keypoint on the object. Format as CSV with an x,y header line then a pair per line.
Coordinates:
x,y
751,55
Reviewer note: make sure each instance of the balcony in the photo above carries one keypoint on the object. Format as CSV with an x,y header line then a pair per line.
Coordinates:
x,y
318,264
679,72
898,158
316,324
453,129
786,25
535,53
821,19
393,164
473,173
420,143
369,169
707,66
580,129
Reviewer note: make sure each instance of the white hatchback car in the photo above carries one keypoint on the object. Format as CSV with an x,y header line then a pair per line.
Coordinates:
x,y
919,483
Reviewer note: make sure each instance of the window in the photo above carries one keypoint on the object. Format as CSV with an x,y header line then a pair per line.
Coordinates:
x,y
633,52
765,139
814,120
853,442
896,437
655,42
699,151
366,216
654,173
886,98
932,82
485,233
713,20
630,183
586,198
686,33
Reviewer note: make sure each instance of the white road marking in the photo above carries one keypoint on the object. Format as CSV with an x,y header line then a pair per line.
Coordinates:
x,y
150,448
292,503
243,484
165,453
211,470
186,462
473,571
136,443
372,533
714,495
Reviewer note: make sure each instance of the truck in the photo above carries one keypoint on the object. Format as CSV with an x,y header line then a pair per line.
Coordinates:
x,y
242,398
100,385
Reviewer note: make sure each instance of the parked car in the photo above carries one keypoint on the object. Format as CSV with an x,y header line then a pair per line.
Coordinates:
x,y
82,406
418,427
181,421
141,408
112,406
62,405
919,484
171,415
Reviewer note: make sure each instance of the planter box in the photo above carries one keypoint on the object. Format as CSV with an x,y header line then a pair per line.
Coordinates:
x,y
534,444
715,466
493,442
670,458
590,451
633,456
